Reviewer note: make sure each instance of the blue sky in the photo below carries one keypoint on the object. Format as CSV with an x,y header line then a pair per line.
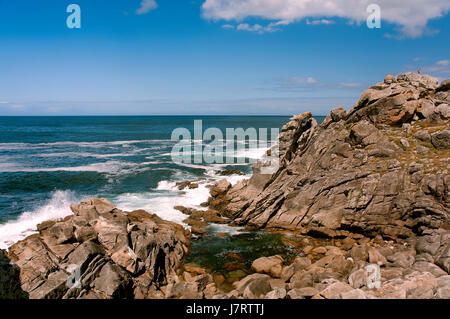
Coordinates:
x,y
209,56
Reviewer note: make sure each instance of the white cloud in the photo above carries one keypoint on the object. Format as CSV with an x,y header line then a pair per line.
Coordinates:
x,y
319,21
11,106
228,26
310,84
410,16
296,83
247,27
271,27
309,80
440,67
350,85
146,6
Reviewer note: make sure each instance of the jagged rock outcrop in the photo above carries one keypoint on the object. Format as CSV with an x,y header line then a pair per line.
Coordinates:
x,y
98,252
373,180
364,171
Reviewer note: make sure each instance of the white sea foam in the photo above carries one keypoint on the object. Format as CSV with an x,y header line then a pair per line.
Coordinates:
x,y
167,186
106,167
20,146
251,153
168,196
160,201
163,204
234,179
112,167
223,228
164,199
86,154
57,207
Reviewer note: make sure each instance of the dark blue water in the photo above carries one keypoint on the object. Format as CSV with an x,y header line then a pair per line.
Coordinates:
x,y
46,163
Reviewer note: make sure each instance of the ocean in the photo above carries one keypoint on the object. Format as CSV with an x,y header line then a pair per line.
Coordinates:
x,y
47,163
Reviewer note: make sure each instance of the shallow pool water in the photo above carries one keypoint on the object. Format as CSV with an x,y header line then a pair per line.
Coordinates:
x,y
231,255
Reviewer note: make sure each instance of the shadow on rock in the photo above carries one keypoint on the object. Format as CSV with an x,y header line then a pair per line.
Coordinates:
x,y
10,280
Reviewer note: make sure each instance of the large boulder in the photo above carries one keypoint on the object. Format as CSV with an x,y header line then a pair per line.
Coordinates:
x,y
443,91
99,252
358,278
220,188
441,139
302,293
278,293
269,265
253,286
183,290
415,285
334,291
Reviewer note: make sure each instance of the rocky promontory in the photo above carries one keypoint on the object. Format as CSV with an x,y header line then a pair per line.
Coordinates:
x,y
379,169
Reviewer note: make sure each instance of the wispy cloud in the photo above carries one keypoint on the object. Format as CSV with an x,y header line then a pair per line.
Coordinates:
x,y
248,27
258,28
146,6
319,21
310,84
295,84
308,80
12,107
351,85
409,17
440,67
246,106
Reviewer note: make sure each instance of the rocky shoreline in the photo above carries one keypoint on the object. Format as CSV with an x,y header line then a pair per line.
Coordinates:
x,y
371,183
116,254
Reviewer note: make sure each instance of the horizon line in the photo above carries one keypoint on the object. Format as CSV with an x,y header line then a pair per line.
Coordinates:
x,y
149,115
